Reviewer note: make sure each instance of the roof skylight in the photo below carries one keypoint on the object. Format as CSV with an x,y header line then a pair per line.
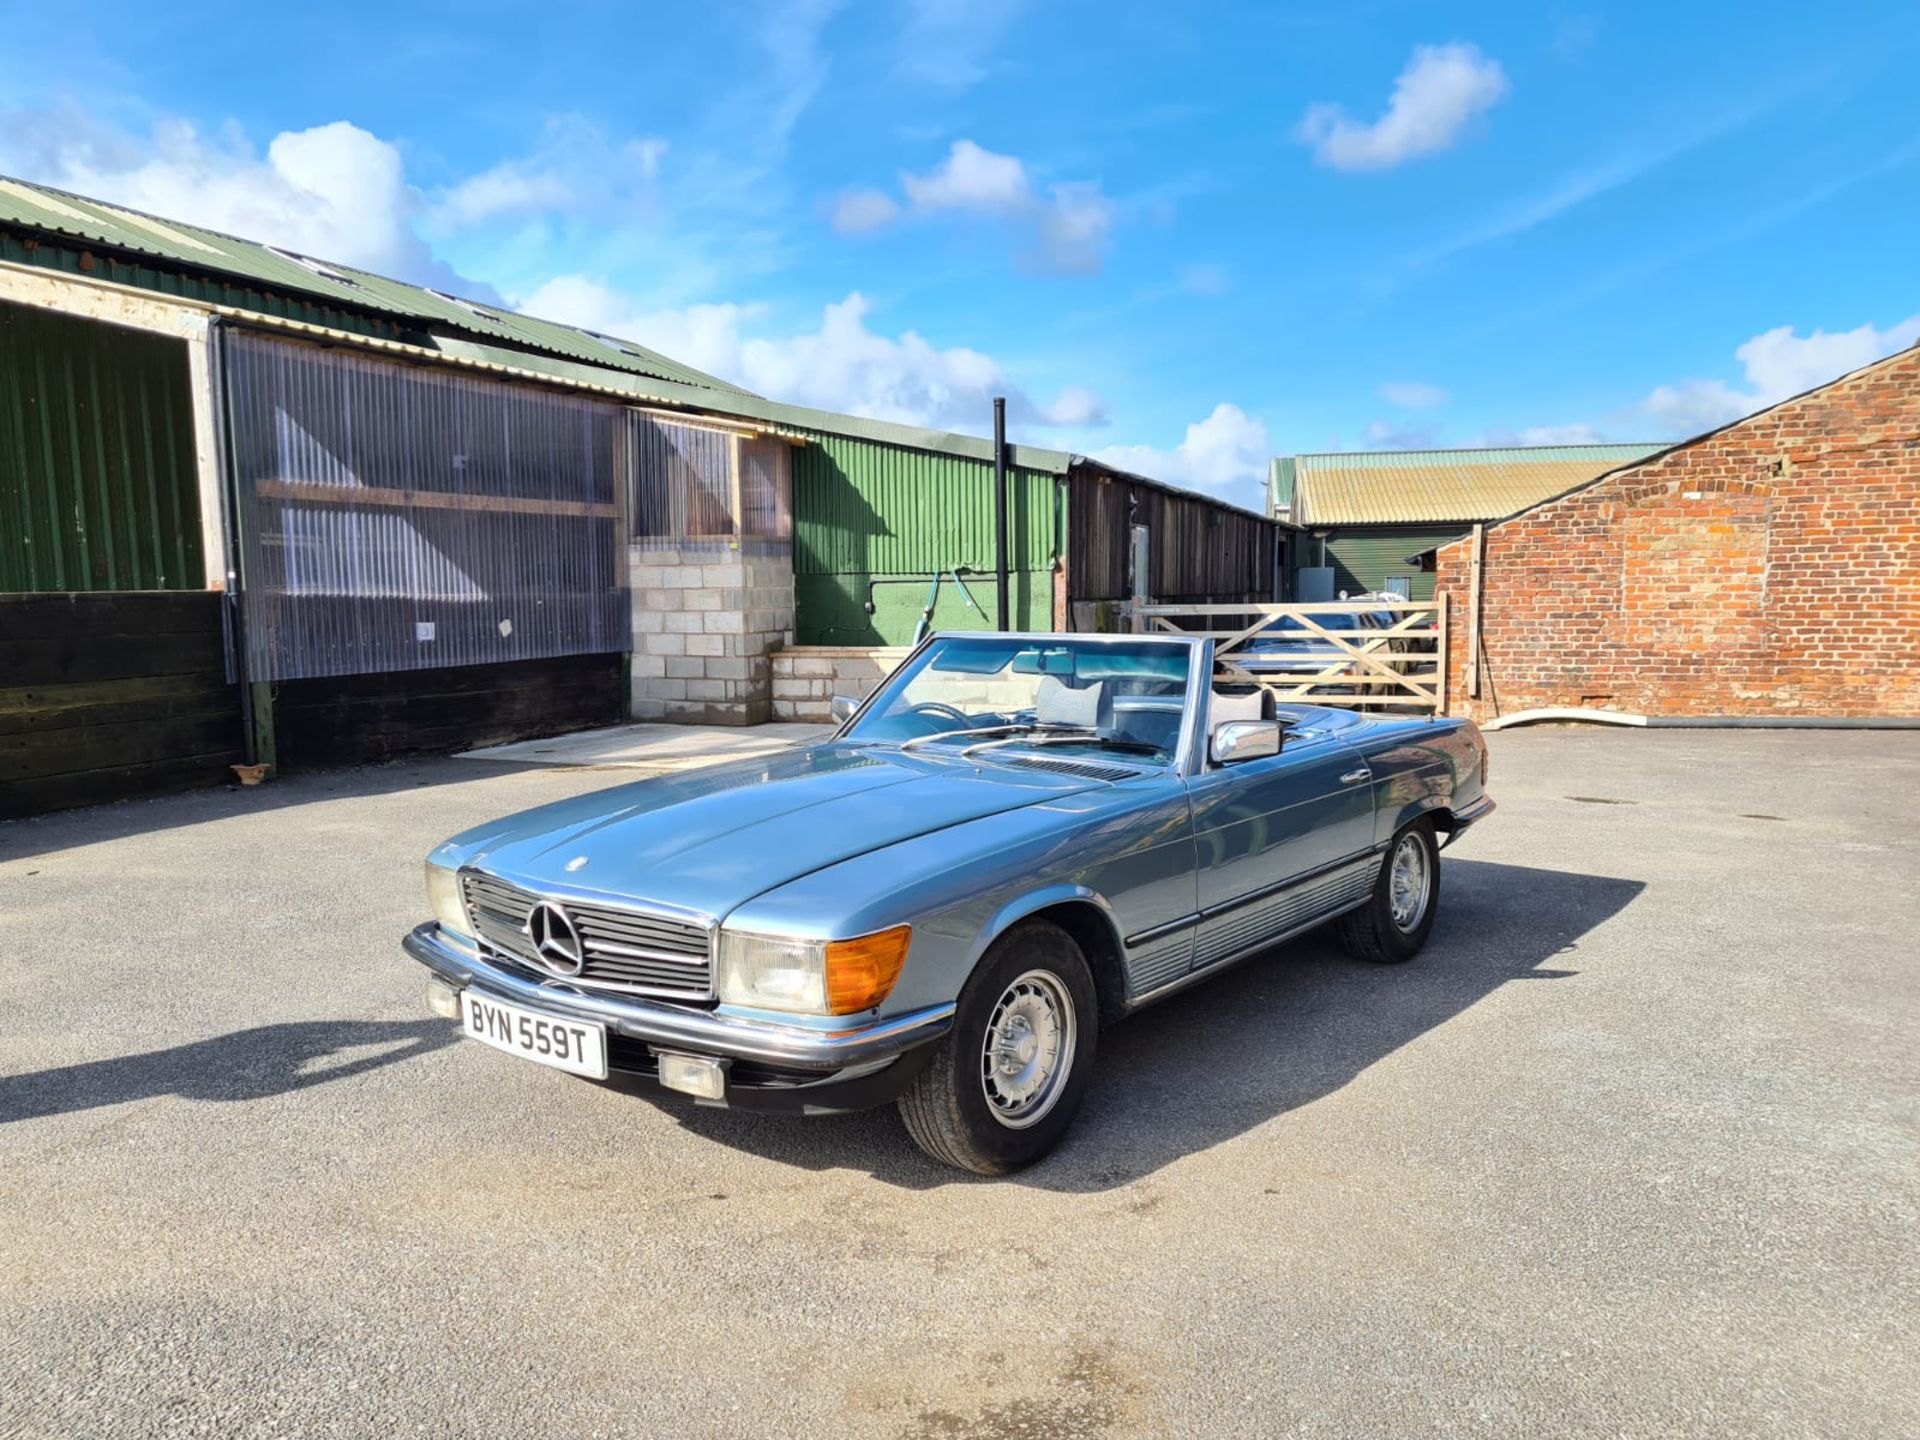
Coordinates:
x,y
325,272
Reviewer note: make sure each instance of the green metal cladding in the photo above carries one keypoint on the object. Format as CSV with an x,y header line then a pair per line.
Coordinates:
x,y
1365,558
875,522
97,483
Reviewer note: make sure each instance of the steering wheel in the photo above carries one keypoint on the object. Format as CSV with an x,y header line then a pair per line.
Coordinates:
x,y
941,709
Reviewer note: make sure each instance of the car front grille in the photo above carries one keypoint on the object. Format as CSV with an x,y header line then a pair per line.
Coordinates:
x,y
634,951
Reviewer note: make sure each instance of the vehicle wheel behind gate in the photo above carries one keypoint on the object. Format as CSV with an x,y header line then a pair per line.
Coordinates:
x,y
1005,1083
1393,924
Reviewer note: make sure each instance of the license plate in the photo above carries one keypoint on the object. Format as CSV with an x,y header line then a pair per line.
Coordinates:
x,y
578,1047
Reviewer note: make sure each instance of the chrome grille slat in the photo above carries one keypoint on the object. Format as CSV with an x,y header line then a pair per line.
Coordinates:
x,y
635,952
663,937
625,950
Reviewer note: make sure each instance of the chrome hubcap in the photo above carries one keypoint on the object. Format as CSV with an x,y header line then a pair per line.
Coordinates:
x,y
1028,1051
1407,883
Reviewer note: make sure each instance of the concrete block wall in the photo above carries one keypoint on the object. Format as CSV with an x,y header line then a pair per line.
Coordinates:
x,y
807,677
706,621
1769,568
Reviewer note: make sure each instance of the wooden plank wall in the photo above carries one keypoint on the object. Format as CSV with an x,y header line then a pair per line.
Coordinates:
x,y
359,719
110,695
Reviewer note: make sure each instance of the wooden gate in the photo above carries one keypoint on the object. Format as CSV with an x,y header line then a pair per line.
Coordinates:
x,y
1378,655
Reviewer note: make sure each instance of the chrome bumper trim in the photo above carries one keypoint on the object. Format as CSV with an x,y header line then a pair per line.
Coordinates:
x,y
699,1031
1462,819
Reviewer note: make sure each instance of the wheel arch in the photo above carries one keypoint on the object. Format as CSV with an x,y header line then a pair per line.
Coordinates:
x,y
1087,917
1431,807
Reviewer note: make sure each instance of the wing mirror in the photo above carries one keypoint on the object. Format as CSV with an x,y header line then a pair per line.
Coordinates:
x,y
843,709
1237,740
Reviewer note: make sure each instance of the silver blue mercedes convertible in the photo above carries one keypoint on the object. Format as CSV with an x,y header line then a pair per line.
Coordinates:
x,y
1015,841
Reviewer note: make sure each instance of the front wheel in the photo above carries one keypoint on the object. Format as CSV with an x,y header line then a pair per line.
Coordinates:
x,y
1394,923
1005,1083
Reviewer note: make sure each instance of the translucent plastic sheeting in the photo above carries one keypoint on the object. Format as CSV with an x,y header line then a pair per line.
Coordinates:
x,y
397,517
695,484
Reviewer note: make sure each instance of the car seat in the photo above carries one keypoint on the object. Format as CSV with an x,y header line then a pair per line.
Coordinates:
x,y
1085,707
1241,703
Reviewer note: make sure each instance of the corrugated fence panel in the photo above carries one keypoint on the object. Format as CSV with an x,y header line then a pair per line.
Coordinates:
x,y
399,518
873,523
97,482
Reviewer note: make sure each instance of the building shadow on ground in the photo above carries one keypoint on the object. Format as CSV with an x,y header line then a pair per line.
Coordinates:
x,y
25,837
244,1065
1275,1033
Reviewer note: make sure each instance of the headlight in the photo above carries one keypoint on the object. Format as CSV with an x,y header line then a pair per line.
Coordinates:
x,y
815,977
443,896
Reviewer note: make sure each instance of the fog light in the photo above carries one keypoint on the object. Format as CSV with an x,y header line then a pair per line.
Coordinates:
x,y
443,1000
694,1075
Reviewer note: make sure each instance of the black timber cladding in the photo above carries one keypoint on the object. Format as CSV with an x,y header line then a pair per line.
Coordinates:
x,y
103,696
359,719
1202,550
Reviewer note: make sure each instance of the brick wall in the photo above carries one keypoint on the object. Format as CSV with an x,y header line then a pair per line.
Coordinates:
x,y
1772,568
705,622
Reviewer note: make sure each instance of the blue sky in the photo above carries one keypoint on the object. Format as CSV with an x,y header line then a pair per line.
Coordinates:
x,y
1183,237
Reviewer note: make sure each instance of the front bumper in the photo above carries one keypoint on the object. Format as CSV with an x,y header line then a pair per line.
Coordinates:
x,y
774,1066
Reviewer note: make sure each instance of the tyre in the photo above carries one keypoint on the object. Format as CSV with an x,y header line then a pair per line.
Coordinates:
x,y
1006,1082
1394,923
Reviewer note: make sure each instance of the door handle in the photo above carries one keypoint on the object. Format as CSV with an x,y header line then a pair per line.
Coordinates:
x,y
1354,777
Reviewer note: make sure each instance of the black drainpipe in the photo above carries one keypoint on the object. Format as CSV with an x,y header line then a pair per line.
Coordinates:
x,y
1000,510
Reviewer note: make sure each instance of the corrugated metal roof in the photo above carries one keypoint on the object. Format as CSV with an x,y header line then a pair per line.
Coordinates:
x,y
471,331
1394,487
61,213
796,418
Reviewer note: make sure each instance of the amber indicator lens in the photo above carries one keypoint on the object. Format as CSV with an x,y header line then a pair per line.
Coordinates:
x,y
860,973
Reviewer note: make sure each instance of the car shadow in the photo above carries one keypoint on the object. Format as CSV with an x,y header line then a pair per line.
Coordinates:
x,y
1275,1033
244,1065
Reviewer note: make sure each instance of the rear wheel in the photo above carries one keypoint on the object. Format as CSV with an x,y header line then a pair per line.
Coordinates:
x,y
1395,921
1006,1082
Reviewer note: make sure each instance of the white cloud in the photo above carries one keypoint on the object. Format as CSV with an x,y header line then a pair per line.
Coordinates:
x,y
858,211
972,178
1577,434
335,191
1413,394
1393,435
842,365
1225,455
946,44
1778,364
575,168
1067,229
1075,406
1073,230
1441,91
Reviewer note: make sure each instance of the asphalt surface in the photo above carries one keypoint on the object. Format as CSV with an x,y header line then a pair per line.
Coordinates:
x,y
1630,1150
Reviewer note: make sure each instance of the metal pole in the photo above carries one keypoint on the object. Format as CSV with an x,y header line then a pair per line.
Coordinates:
x,y
1003,615
256,699
1474,565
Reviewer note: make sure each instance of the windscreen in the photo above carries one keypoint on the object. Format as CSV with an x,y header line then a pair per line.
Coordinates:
x,y
1120,695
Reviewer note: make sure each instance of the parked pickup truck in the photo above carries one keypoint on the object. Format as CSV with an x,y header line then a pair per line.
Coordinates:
x,y
1016,841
